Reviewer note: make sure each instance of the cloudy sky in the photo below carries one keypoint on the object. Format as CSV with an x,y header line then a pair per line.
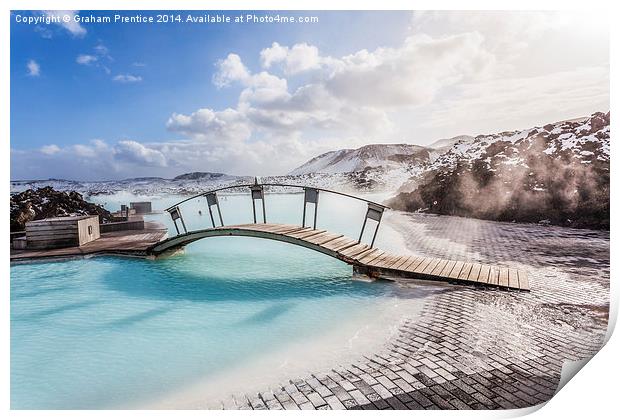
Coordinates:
x,y
113,101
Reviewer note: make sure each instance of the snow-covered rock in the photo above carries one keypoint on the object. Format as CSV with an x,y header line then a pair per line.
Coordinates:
x,y
385,166
557,172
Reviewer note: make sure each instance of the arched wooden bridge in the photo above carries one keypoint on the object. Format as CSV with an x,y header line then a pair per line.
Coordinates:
x,y
365,258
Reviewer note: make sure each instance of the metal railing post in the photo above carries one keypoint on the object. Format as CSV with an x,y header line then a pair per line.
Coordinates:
x,y
212,200
258,194
374,212
219,212
363,227
175,213
311,195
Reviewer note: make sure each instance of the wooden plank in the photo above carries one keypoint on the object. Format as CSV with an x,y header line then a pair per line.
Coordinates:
x,y
423,264
262,227
350,242
301,232
483,276
355,250
308,234
52,236
415,264
456,270
447,269
513,278
388,261
465,271
524,283
371,256
503,277
288,229
494,276
345,245
324,238
337,243
411,268
377,261
429,268
37,229
439,268
398,262
268,228
363,254
474,273
405,262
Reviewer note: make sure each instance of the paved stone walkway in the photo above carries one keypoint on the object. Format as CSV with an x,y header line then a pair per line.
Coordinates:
x,y
474,348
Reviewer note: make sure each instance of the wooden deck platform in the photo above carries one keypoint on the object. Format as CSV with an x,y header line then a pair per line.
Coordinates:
x,y
126,242
371,261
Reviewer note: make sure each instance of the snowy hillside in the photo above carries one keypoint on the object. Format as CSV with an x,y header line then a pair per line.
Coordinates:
x,y
583,141
443,145
557,173
183,184
373,156
379,166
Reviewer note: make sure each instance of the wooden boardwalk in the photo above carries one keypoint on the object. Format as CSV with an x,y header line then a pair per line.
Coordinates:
x,y
366,259
127,242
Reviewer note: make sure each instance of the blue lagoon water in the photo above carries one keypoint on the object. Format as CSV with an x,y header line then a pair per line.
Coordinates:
x,y
121,333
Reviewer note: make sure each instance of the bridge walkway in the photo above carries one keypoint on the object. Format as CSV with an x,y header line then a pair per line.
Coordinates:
x,y
364,258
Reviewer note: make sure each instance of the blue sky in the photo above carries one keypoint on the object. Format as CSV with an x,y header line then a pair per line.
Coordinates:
x,y
109,101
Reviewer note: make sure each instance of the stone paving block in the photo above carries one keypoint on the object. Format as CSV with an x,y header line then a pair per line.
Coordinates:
x,y
334,403
316,399
359,397
449,356
396,404
307,406
341,393
404,385
420,398
483,400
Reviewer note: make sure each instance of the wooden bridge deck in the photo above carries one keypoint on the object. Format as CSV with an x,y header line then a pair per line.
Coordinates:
x,y
364,258
127,243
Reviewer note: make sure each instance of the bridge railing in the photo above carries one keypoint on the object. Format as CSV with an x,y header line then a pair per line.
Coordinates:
x,y
374,211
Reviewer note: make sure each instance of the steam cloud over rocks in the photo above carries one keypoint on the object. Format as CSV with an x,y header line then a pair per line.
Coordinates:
x,y
557,174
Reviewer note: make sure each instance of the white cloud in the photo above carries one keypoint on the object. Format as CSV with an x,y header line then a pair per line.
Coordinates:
x,y
229,70
454,73
67,21
84,151
127,78
520,102
412,74
102,51
274,54
50,149
221,127
297,59
33,68
86,59
135,152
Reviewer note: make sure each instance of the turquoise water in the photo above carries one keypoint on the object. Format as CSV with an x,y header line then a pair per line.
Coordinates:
x,y
117,333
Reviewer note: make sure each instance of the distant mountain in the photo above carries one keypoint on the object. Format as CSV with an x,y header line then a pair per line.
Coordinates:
x,y
190,183
372,156
445,144
193,176
557,173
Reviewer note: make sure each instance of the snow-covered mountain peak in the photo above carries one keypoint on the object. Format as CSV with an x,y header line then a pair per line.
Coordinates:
x,y
372,156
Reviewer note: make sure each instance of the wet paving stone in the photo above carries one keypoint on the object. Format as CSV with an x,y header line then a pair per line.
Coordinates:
x,y
472,347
